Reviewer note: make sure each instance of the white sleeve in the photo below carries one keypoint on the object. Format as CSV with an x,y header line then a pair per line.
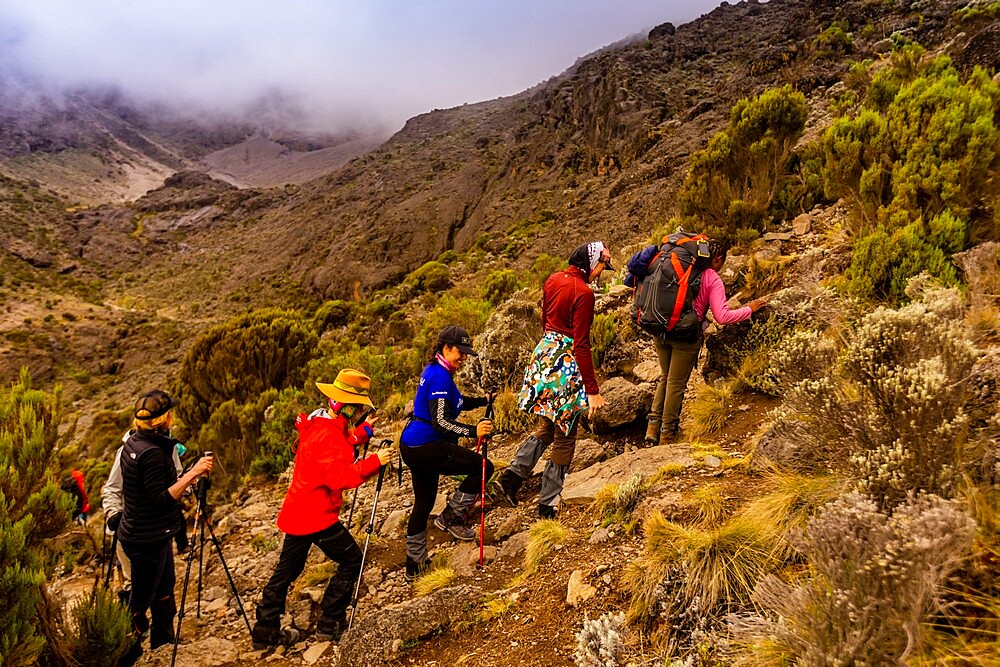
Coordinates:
x,y
111,492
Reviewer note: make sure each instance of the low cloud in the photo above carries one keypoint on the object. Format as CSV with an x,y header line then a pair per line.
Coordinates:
x,y
343,64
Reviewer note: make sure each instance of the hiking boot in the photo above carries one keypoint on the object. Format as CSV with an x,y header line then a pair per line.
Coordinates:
x,y
450,522
330,632
669,436
415,569
653,431
506,486
546,511
265,637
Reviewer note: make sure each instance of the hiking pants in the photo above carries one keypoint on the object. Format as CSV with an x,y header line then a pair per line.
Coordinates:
x,y
677,360
338,545
153,582
427,463
563,445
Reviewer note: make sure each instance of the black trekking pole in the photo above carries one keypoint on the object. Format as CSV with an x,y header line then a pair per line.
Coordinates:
x,y
485,443
368,537
111,561
229,575
201,555
201,493
354,498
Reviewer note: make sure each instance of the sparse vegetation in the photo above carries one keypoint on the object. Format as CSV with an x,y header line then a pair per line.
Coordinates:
x,y
615,504
543,536
708,411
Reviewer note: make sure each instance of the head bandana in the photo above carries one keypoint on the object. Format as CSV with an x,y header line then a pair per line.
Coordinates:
x,y
587,256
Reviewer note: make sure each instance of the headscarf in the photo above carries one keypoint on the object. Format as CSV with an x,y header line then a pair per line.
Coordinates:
x,y
587,256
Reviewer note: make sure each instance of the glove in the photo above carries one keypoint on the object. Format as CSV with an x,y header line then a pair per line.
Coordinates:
x,y
113,520
181,540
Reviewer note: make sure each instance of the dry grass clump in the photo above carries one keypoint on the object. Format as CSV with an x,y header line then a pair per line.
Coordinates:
x,y
764,277
496,606
720,565
874,578
507,416
665,471
708,504
981,266
615,504
707,412
543,537
436,578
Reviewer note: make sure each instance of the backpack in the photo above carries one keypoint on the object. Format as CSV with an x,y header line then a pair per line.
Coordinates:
x,y
664,302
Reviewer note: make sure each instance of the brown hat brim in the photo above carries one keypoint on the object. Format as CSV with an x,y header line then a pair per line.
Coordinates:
x,y
340,395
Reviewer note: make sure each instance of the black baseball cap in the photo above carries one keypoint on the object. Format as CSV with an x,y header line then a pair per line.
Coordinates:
x,y
154,404
459,337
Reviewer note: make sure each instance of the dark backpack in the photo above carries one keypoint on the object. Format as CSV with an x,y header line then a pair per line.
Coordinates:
x,y
664,302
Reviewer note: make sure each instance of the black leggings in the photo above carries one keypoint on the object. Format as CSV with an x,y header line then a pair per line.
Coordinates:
x,y
427,463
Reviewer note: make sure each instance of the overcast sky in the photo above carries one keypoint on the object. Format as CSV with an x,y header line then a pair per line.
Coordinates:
x,y
375,60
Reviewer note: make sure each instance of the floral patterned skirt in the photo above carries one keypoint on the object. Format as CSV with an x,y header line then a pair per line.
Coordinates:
x,y
553,386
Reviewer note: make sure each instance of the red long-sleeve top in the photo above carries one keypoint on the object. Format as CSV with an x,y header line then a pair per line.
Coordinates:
x,y
568,308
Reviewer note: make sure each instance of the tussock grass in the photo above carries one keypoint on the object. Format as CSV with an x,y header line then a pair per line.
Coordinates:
x,y
543,536
707,412
708,504
666,471
496,607
616,503
722,565
764,277
316,575
791,498
434,579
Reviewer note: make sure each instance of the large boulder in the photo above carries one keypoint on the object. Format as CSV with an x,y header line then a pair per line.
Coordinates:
x,y
506,343
581,487
626,402
375,638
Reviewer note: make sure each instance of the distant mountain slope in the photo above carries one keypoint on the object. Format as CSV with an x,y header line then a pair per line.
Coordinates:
x,y
98,146
261,162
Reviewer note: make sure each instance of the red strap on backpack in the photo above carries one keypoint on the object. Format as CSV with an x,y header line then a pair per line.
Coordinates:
x,y
682,286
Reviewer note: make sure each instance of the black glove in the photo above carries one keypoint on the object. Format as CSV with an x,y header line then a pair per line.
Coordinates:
x,y
113,520
181,540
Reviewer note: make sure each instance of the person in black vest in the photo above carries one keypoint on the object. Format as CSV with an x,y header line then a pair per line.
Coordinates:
x,y
152,517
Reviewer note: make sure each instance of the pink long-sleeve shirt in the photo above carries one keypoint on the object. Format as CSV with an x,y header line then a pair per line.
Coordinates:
x,y
713,294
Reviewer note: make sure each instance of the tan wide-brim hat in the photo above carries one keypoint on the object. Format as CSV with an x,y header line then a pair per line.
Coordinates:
x,y
351,386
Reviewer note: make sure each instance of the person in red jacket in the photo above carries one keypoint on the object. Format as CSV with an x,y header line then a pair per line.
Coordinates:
x,y
324,469
74,486
559,383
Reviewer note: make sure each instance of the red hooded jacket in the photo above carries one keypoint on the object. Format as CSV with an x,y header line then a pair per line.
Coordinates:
x,y
324,468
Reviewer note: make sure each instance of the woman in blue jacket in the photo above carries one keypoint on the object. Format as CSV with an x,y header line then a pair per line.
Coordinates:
x,y
429,446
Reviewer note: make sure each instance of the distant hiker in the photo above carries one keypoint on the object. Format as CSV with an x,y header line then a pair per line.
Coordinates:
x,y
677,349
429,446
559,383
151,518
74,486
324,469
113,501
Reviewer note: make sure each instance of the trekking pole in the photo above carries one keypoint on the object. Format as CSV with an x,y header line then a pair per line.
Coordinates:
x,y
201,493
354,498
111,561
368,537
484,442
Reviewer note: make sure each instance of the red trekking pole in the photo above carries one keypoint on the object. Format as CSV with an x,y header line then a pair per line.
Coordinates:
x,y
484,443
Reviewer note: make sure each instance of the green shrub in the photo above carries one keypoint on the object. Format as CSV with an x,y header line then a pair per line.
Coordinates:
x,y
733,182
29,441
391,370
916,167
543,267
803,188
499,285
238,360
333,314
232,433
431,277
602,335
277,433
470,314
834,41
100,629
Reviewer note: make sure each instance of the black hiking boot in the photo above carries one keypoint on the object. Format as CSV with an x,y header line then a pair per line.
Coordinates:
x,y
506,486
546,511
265,637
454,524
415,569
330,631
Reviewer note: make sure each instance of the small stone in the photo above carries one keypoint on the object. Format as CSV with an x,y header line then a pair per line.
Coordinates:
x,y
802,224
312,654
578,590
606,579
600,535
743,408
778,236
213,593
713,461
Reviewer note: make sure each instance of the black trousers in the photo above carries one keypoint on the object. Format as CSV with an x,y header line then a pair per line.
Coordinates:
x,y
339,546
153,582
427,463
